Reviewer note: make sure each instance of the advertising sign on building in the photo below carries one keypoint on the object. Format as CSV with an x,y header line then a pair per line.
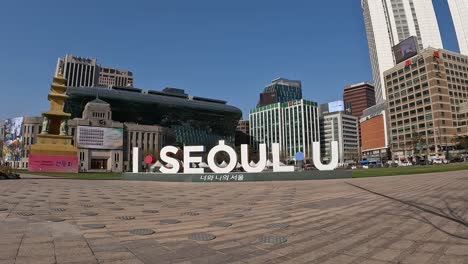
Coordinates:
x,y
12,140
406,49
100,137
293,103
336,106
373,134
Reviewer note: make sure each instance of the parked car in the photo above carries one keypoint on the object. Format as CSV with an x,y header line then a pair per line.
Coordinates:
x,y
456,159
422,162
406,164
439,161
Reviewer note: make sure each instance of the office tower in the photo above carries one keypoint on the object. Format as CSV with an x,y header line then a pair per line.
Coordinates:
x,y
294,125
281,91
86,72
359,96
336,125
459,10
78,71
283,117
389,22
115,77
426,96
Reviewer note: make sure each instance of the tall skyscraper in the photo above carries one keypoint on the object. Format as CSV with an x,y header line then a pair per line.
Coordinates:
x,y
283,117
294,125
388,22
86,72
459,10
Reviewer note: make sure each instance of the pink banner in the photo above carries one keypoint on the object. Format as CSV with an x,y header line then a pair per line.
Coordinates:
x,y
48,163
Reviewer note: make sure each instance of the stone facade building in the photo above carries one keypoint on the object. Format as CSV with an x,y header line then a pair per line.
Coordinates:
x,y
86,72
425,97
103,144
110,143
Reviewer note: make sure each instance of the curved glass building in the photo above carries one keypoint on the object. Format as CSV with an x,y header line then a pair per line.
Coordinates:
x,y
195,120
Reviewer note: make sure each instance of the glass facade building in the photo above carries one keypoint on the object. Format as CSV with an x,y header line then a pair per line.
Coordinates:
x,y
294,125
194,120
281,91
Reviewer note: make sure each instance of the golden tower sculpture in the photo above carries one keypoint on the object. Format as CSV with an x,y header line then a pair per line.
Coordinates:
x,y
53,150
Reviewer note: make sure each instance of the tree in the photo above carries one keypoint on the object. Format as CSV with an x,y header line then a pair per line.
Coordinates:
x,y
417,142
1,148
462,142
352,155
283,155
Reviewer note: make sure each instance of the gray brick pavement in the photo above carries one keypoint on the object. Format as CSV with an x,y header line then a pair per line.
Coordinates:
x,y
405,219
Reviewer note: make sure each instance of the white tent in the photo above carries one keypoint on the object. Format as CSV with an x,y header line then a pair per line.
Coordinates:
x,y
223,164
252,164
155,166
269,163
238,166
203,165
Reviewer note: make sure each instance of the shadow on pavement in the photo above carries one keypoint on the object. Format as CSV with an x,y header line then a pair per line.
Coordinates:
x,y
447,212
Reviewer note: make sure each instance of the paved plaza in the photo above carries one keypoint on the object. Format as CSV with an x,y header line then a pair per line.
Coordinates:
x,y
404,219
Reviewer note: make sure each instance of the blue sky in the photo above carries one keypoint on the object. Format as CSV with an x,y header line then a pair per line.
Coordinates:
x,y
221,49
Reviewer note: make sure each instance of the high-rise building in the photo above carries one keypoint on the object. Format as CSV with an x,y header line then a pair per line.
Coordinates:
x,y
86,72
359,96
389,22
426,96
459,10
343,128
78,71
294,125
281,90
283,117
115,77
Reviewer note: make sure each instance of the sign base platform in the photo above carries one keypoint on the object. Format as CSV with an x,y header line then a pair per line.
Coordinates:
x,y
240,176
53,163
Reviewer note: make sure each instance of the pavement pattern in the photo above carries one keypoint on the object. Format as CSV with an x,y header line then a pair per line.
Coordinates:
x,y
404,219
